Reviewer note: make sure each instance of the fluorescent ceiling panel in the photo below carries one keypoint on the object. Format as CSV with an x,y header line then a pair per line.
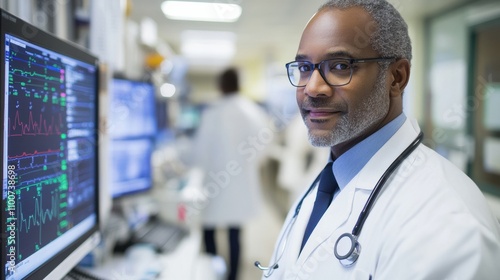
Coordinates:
x,y
208,44
201,11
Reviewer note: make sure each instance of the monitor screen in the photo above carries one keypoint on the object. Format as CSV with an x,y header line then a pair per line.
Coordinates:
x,y
49,152
130,171
132,111
132,127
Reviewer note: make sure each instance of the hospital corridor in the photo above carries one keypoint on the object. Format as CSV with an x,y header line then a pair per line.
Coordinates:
x,y
250,139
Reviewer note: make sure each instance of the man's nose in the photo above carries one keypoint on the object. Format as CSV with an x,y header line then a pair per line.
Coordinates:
x,y
317,86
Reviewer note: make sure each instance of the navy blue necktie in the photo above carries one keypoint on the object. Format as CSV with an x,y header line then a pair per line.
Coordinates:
x,y
327,187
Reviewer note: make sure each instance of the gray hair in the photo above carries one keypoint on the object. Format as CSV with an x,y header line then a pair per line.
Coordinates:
x,y
390,39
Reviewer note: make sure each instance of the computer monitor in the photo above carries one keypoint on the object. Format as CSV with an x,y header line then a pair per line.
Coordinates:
x,y
132,112
130,170
48,104
132,127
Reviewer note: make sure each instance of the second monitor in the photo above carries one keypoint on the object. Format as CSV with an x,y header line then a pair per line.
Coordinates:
x,y
132,129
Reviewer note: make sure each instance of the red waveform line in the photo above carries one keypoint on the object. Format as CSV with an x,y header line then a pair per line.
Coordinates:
x,y
19,128
35,153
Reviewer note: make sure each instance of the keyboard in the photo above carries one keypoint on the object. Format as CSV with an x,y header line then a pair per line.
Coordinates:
x,y
164,237
79,274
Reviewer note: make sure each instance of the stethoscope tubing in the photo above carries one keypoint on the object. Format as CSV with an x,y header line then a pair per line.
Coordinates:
x,y
351,257
381,182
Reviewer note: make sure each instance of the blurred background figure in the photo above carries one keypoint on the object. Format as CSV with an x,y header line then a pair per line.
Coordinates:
x,y
300,162
230,141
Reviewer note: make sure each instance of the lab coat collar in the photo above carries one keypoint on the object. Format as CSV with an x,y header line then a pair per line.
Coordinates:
x,y
352,161
383,158
343,211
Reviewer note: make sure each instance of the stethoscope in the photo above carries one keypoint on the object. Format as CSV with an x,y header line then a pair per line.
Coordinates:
x,y
347,247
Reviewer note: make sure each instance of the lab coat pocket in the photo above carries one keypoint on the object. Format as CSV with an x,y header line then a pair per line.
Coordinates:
x,y
361,275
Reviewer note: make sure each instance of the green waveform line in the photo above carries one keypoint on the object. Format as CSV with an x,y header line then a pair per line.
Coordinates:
x,y
35,74
41,214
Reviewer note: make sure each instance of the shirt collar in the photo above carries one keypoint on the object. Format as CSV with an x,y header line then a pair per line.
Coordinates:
x,y
351,162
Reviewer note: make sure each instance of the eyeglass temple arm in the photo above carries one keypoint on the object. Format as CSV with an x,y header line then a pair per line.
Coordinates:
x,y
361,60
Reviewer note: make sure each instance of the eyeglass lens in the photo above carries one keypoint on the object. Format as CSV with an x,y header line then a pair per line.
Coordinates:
x,y
335,72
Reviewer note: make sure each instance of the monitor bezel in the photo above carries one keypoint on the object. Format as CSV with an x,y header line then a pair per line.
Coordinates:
x,y
67,258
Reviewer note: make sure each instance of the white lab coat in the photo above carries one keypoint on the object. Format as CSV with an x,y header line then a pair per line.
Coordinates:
x,y
231,139
429,222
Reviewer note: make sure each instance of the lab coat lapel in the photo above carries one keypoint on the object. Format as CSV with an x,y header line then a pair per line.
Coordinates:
x,y
368,177
343,213
335,217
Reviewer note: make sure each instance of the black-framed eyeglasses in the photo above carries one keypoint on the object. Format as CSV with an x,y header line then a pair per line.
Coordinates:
x,y
335,72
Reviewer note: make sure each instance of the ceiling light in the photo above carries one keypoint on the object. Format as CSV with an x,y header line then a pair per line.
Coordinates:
x,y
201,11
197,44
167,90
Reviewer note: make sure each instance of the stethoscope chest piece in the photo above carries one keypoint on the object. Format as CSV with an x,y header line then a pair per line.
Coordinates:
x,y
347,249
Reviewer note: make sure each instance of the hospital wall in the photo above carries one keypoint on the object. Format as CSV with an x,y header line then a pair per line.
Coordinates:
x,y
444,94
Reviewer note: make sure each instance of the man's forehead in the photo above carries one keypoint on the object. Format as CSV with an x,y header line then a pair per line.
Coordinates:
x,y
333,31
326,55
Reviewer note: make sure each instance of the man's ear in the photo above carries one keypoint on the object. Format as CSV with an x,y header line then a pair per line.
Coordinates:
x,y
400,71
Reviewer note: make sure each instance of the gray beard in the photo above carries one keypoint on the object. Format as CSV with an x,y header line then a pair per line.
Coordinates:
x,y
371,111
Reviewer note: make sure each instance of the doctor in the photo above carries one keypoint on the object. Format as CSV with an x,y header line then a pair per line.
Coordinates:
x,y
229,145
425,219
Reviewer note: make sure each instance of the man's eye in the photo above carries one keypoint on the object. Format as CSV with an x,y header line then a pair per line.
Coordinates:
x,y
305,67
339,66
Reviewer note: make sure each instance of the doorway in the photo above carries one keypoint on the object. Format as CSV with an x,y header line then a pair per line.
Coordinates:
x,y
484,105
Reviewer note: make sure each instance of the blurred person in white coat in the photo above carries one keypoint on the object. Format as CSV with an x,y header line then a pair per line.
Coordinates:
x,y
385,206
300,162
230,142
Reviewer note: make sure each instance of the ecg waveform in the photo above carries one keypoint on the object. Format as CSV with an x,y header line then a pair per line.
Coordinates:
x,y
51,112
35,153
17,127
34,75
41,212
39,75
